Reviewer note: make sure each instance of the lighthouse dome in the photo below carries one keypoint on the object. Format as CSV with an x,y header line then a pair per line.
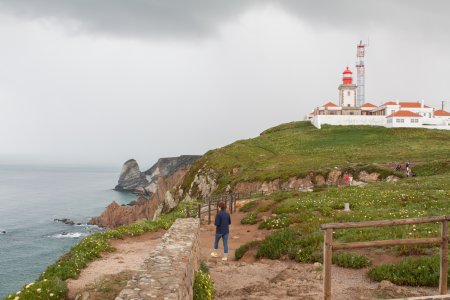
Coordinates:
x,y
347,71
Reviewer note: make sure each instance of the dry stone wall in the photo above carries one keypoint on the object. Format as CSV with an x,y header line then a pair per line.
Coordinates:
x,y
169,271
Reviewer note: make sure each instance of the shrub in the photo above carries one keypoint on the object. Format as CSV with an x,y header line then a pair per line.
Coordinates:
x,y
265,206
279,221
308,248
277,244
203,284
351,260
423,271
244,248
251,218
248,206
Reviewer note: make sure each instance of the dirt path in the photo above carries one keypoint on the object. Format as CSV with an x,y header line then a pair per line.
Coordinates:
x,y
129,256
283,279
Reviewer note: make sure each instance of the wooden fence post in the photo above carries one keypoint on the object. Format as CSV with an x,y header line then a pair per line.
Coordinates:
x,y
444,259
327,261
188,214
209,212
199,211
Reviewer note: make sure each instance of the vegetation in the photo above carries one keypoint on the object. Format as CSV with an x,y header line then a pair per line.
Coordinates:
x,y
351,260
248,206
244,248
422,271
276,222
265,206
299,218
298,148
250,219
203,284
51,284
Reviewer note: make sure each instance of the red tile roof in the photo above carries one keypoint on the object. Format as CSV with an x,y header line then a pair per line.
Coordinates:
x,y
389,103
441,113
368,105
330,104
412,105
404,113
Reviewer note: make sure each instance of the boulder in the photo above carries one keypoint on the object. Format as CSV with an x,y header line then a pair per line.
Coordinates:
x,y
320,180
366,177
334,177
392,178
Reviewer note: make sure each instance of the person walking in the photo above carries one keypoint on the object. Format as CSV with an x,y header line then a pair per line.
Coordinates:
x,y
222,222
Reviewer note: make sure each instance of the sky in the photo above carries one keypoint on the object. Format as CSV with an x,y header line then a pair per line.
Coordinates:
x,y
100,82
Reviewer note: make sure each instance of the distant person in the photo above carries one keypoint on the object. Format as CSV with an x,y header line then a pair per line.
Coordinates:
x,y
222,222
398,168
350,179
347,179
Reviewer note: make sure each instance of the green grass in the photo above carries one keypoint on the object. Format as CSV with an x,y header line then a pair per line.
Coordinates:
x,y
298,148
244,248
276,222
302,240
350,260
51,283
250,219
423,271
248,206
264,207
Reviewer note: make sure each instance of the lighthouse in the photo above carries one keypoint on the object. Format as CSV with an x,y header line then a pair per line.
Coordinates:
x,y
347,90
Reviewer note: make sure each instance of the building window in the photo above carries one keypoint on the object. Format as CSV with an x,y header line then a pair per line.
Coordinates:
x,y
348,93
399,120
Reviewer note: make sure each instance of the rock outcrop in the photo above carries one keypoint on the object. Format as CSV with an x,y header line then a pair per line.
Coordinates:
x,y
131,177
146,183
161,183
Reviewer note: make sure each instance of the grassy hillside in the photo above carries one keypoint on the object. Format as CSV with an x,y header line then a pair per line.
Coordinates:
x,y
296,148
296,218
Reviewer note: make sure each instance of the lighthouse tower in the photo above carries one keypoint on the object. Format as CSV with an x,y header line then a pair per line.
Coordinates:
x,y
347,90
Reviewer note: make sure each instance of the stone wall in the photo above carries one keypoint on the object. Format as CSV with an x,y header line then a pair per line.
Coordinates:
x,y
169,271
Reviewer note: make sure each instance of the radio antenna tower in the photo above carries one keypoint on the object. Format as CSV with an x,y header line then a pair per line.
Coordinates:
x,y
360,73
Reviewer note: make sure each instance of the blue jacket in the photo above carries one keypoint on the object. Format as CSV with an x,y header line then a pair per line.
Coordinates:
x,y
222,221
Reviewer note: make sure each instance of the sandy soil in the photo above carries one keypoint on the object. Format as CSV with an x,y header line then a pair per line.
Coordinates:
x,y
129,256
284,279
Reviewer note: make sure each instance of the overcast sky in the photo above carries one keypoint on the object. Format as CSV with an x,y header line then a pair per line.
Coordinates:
x,y
102,81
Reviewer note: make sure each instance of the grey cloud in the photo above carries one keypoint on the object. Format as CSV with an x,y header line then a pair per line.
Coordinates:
x,y
190,18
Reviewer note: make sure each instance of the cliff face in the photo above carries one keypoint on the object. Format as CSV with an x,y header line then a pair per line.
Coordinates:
x,y
161,182
131,177
146,183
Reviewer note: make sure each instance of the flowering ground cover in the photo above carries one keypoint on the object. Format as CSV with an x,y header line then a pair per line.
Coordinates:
x,y
300,216
51,284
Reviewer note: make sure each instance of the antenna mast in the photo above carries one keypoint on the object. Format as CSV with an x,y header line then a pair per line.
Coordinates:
x,y
360,73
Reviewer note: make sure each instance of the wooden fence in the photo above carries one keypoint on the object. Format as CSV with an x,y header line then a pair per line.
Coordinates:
x,y
329,246
211,203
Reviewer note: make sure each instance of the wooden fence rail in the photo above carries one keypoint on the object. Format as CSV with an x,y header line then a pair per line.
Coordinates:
x,y
211,202
329,246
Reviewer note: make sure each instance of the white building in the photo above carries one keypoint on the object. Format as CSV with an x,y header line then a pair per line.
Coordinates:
x,y
389,114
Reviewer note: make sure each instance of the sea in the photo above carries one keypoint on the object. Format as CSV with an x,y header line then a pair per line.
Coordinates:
x,y
31,197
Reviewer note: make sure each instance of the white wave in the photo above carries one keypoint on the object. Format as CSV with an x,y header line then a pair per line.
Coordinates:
x,y
71,235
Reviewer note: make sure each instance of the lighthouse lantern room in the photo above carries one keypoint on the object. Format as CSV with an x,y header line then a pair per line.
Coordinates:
x,y
347,90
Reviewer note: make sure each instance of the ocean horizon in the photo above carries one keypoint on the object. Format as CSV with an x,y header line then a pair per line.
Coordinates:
x,y
31,197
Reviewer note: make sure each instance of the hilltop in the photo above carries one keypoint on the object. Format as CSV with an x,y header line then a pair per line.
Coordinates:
x,y
298,150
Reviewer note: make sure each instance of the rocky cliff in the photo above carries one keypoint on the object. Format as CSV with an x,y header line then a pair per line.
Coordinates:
x,y
131,177
162,184
146,183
